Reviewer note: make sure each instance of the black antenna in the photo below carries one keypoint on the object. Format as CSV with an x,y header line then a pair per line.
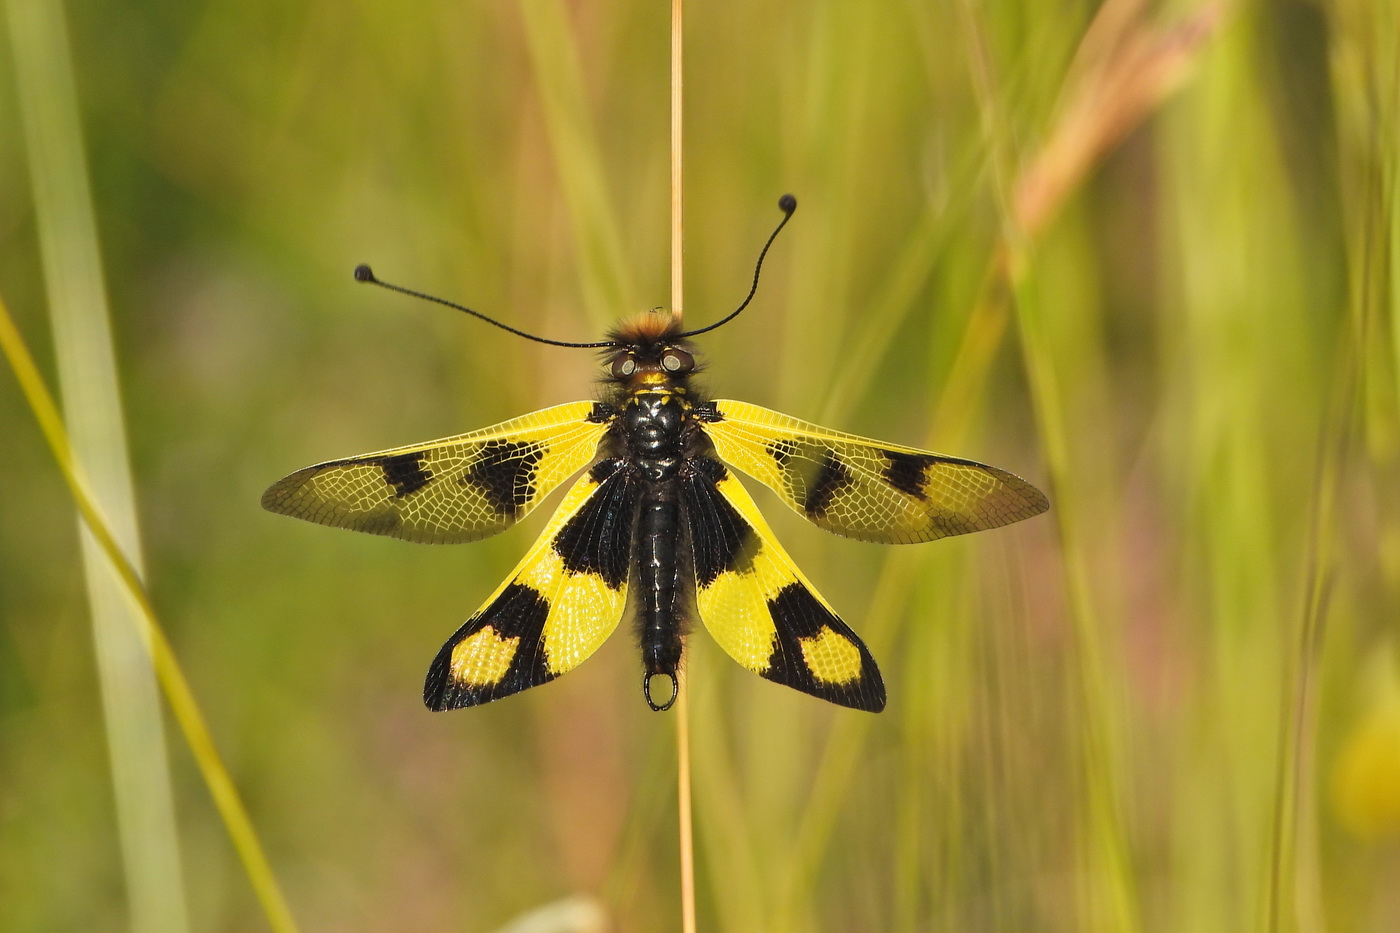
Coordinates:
x,y
787,204
364,273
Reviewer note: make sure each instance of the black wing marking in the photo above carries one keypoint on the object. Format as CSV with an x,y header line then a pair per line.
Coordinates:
x,y
455,489
760,608
863,488
558,606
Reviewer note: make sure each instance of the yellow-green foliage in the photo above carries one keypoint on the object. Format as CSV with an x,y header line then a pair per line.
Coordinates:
x,y
1144,260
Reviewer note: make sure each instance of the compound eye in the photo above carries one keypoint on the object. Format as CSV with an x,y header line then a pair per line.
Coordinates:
x,y
677,361
623,365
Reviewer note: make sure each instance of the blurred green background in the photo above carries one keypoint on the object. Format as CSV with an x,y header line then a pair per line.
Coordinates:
x,y
1141,255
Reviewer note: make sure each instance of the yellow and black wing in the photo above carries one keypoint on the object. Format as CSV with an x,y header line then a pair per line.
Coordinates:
x,y
558,606
455,489
867,489
759,607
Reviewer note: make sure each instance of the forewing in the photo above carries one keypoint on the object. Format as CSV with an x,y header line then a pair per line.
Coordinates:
x,y
455,489
759,607
557,607
867,489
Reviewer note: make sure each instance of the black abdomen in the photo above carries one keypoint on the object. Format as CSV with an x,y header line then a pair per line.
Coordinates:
x,y
652,425
658,577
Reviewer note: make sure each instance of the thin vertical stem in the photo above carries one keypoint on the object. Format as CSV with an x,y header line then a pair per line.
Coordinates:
x,y
677,166
687,836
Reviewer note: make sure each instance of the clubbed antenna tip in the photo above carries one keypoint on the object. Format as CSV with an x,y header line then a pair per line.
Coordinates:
x,y
787,204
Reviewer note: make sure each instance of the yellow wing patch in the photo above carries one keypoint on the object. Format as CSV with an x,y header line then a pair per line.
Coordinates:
x,y
556,608
455,489
867,489
483,659
831,657
760,608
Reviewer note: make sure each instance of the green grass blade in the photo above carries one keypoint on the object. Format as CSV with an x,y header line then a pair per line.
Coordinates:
x,y
148,632
87,375
1109,898
568,121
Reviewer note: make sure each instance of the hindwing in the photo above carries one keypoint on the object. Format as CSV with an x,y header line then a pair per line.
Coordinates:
x,y
756,603
455,489
558,606
867,489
